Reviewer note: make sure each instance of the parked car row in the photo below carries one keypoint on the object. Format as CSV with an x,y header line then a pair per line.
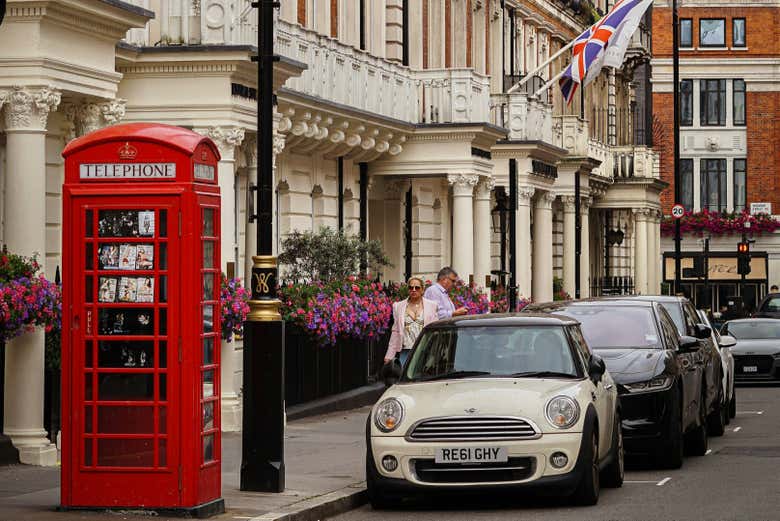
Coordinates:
x,y
551,399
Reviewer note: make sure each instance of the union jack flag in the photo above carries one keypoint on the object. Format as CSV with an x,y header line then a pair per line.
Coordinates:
x,y
588,50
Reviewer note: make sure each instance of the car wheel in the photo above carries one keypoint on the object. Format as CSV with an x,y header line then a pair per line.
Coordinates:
x,y
614,473
716,421
733,405
378,498
671,455
587,492
697,440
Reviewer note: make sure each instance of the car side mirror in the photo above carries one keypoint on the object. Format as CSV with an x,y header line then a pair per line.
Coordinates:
x,y
596,368
727,341
688,344
701,331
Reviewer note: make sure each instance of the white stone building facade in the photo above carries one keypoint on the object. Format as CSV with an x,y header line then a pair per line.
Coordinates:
x,y
409,96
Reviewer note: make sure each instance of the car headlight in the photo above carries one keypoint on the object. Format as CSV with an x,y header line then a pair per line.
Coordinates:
x,y
562,412
388,415
659,383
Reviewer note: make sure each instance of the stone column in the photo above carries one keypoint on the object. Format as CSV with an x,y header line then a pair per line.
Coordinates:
x,y
543,250
87,117
640,251
463,226
585,252
26,114
659,272
228,139
482,231
523,241
569,244
393,222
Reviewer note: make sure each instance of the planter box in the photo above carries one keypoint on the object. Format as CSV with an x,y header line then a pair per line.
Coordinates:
x,y
313,371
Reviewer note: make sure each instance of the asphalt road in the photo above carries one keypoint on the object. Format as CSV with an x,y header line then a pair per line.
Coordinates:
x,y
738,480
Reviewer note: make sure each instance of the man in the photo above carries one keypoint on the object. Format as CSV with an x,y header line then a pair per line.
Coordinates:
x,y
439,293
774,289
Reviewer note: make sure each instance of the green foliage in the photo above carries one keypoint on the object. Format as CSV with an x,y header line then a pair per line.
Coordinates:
x,y
328,255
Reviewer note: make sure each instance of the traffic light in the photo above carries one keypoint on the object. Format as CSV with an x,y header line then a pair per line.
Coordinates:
x,y
743,258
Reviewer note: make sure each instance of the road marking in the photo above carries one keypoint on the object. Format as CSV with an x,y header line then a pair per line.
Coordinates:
x,y
663,482
709,451
737,429
751,412
626,481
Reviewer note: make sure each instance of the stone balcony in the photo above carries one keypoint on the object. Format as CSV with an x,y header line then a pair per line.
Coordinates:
x,y
527,118
634,161
571,134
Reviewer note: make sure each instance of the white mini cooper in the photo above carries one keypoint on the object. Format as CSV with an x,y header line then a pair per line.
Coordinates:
x,y
497,401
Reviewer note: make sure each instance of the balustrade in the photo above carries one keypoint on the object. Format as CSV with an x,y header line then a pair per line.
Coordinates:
x,y
526,117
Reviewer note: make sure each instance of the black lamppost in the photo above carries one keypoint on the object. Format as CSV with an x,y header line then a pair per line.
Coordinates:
x,y
262,439
676,143
499,216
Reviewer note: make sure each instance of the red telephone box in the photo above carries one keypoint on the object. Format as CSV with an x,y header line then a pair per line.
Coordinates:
x,y
141,334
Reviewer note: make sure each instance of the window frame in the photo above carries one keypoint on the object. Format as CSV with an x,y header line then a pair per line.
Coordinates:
x,y
686,161
712,45
743,171
683,44
734,91
744,32
704,92
722,177
686,122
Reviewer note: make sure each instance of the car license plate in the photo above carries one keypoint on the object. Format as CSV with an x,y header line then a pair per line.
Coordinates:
x,y
472,455
750,369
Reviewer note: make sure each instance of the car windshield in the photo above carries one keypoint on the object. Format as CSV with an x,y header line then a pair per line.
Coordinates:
x,y
497,351
759,330
771,304
613,327
675,311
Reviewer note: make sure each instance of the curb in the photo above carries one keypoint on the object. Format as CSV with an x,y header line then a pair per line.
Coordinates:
x,y
354,399
321,507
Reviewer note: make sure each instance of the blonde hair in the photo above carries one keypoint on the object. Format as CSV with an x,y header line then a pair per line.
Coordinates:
x,y
418,279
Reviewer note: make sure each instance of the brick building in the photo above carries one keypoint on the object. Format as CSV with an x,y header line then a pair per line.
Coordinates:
x,y
729,110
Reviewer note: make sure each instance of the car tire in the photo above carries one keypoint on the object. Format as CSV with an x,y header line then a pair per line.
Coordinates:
x,y
733,405
697,441
587,492
671,455
716,421
614,473
378,498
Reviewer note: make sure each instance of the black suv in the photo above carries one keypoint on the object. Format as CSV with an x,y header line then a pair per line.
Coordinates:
x,y
658,378
687,322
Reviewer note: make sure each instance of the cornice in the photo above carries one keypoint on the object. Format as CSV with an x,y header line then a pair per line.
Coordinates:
x,y
107,19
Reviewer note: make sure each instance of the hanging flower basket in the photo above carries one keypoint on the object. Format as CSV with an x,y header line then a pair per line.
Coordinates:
x,y
233,297
720,223
27,299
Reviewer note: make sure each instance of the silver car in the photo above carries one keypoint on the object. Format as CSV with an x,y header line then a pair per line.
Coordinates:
x,y
724,343
757,352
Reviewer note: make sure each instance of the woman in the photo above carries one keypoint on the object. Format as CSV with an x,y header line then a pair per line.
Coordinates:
x,y
409,317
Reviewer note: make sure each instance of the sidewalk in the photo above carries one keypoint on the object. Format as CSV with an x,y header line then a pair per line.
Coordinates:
x,y
325,469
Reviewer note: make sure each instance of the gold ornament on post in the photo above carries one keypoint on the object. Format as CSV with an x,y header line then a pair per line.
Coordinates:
x,y
264,305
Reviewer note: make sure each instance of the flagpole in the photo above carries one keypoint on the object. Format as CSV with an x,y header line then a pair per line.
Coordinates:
x,y
531,74
550,83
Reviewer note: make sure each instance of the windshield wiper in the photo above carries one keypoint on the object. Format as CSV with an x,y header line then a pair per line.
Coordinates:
x,y
531,374
455,374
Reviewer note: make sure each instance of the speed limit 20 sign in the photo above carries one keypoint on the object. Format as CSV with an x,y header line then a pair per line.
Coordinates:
x,y
678,211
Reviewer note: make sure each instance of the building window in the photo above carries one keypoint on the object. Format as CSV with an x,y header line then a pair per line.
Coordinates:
x,y
686,32
738,33
712,110
686,183
739,102
740,184
712,32
713,185
686,103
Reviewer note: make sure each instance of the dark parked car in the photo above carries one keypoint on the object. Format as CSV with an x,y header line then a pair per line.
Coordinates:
x,y
757,353
769,307
687,322
656,371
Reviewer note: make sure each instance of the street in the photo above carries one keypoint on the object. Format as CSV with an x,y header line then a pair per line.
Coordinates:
x,y
737,479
